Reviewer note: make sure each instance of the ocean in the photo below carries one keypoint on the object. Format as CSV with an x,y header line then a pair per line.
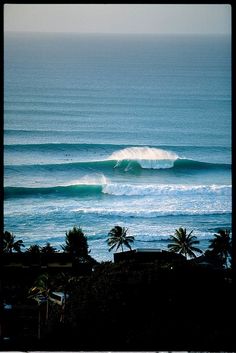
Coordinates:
x,y
105,130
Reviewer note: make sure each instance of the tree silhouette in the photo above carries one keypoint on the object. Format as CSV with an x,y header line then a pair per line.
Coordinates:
x,y
76,243
48,249
221,245
34,249
183,243
9,244
41,285
118,238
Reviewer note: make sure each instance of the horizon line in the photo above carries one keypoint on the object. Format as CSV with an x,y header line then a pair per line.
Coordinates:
x,y
120,33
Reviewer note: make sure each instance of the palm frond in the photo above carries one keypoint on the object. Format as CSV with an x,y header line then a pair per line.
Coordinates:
x,y
112,247
130,238
189,235
174,248
117,236
197,250
118,245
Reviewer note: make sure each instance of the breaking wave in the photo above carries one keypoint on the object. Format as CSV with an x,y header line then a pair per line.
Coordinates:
x,y
146,157
172,190
123,165
116,189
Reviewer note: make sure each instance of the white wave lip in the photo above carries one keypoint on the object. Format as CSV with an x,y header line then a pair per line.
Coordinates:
x,y
151,213
147,157
158,190
89,179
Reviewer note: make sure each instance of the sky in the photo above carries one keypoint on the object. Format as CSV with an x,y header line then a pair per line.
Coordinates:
x,y
118,18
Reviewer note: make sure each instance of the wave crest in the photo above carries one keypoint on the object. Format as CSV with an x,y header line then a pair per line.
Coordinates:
x,y
157,190
117,189
149,213
147,157
89,179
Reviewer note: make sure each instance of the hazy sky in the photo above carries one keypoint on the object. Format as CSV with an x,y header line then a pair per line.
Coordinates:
x,y
118,18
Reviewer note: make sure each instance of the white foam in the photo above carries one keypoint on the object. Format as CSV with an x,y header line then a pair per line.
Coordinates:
x,y
147,157
89,179
142,153
140,213
153,189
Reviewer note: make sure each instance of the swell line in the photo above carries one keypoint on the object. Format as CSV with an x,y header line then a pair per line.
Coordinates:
x,y
124,165
11,192
117,189
94,146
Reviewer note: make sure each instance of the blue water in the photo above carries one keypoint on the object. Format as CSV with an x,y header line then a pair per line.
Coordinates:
x,y
105,130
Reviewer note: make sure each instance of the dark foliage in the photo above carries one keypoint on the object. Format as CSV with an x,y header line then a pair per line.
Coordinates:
x,y
76,243
48,249
140,306
34,249
134,306
8,243
221,245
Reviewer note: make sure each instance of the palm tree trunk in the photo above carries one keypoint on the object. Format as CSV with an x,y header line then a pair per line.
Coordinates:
x,y
122,247
64,306
186,255
47,310
226,261
39,324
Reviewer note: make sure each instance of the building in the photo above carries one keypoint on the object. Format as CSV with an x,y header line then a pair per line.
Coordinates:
x,y
147,255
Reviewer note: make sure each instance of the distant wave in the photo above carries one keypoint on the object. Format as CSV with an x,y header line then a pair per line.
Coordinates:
x,y
56,191
115,189
60,146
124,159
78,146
149,213
124,165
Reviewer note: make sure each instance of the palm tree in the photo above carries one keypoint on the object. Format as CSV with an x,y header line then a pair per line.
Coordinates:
x,y
34,249
9,244
63,284
48,249
183,243
41,287
76,243
1,243
221,245
118,237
